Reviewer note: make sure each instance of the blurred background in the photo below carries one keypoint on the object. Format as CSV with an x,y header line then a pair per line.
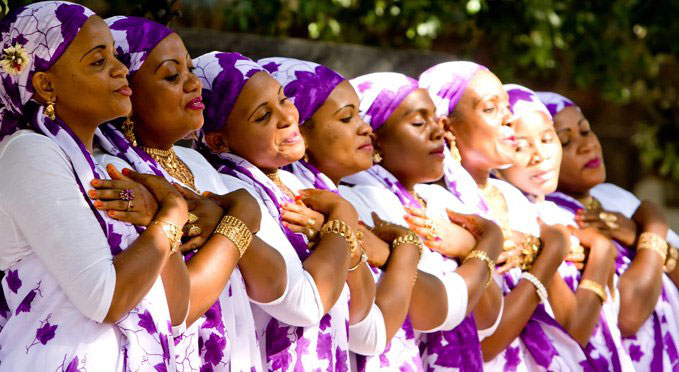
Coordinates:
x,y
617,59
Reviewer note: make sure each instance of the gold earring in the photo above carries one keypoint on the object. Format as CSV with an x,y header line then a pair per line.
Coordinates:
x,y
305,158
377,157
223,148
128,130
454,152
49,109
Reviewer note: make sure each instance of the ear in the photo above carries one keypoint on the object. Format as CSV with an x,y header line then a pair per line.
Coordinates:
x,y
217,142
43,87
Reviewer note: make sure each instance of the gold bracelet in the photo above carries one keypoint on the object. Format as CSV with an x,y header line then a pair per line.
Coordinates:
x,y
235,230
529,251
483,256
672,257
595,287
172,232
342,229
364,257
654,242
409,238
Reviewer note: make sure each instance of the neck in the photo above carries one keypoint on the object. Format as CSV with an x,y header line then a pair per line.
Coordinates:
x,y
84,131
479,174
580,196
152,140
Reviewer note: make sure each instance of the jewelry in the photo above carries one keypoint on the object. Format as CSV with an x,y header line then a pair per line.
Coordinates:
x,y
595,287
172,232
421,201
129,206
591,203
276,178
409,238
672,257
49,109
498,206
541,290
483,256
377,157
654,242
235,230
192,218
194,230
310,222
310,233
342,229
305,158
126,195
169,160
529,251
364,257
128,131
609,219
454,152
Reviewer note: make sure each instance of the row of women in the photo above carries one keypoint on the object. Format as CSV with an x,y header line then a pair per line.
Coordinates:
x,y
318,223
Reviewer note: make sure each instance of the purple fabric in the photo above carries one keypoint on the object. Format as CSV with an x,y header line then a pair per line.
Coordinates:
x,y
523,100
554,102
446,83
379,95
307,84
224,76
134,39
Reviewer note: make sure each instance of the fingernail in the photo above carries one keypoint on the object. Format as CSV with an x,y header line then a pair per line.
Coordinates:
x,y
98,203
126,171
298,197
111,213
95,182
206,194
92,194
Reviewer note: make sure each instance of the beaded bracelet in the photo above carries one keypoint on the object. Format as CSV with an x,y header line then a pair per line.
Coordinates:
x,y
235,230
541,290
595,287
672,257
483,256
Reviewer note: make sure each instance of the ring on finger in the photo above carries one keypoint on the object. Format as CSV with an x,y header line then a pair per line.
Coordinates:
x,y
310,233
608,217
192,218
310,222
429,223
129,206
195,230
126,195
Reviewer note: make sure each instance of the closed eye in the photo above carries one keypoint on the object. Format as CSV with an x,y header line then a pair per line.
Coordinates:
x,y
263,117
172,77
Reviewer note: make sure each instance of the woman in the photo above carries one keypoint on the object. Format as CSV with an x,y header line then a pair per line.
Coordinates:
x,y
85,292
338,145
407,136
536,173
649,298
472,104
161,74
251,130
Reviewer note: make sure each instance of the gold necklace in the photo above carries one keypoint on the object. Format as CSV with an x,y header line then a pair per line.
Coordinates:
x,y
419,199
498,207
276,178
169,160
591,203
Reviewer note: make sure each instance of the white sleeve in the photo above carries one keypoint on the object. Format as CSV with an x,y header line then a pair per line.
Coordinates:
x,y
456,295
672,238
301,304
483,333
44,201
369,336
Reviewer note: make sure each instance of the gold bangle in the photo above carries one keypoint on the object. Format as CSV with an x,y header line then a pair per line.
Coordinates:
x,y
172,232
672,257
595,287
364,257
342,229
654,242
409,238
483,256
235,230
529,251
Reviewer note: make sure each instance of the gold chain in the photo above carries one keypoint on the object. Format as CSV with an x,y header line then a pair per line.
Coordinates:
x,y
169,160
276,178
591,203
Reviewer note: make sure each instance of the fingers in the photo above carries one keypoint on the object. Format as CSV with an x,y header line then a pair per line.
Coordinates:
x,y
116,205
417,212
122,216
418,221
186,193
110,184
300,229
295,218
575,257
434,245
105,194
377,221
114,173
192,244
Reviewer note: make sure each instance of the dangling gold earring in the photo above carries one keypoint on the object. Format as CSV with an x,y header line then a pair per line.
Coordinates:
x,y
454,152
49,109
305,158
128,130
377,157
223,148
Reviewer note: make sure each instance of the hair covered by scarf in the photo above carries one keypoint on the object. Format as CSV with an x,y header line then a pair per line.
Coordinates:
x,y
379,95
523,100
134,39
554,102
446,83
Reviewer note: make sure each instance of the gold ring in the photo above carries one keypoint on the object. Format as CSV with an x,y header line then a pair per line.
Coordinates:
x,y
608,217
429,223
310,233
194,230
129,206
310,222
192,218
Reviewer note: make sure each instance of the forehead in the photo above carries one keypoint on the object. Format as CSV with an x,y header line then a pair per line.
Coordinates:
x,y
94,32
483,84
532,123
570,116
256,90
171,47
418,99
343,94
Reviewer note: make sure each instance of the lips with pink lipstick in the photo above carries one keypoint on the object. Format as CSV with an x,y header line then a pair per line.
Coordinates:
x,y
125,90
292,138
594,163
544,176
508,136
196,104
368,146
438,152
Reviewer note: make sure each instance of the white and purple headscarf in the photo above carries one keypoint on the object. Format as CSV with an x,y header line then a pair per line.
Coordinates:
x,y
43,31
307,84
554,102
523,100
135,38
379,95
446,83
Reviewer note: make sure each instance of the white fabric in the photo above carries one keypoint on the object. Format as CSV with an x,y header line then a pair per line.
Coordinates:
x,y
616,199
236,313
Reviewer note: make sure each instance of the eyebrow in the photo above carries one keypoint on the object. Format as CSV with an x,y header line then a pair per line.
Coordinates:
x,y
343,107
167,60
563,130
91,50
581,120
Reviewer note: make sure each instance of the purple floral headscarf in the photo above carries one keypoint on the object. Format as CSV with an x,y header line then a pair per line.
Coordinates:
x,y
554,102
135,38
38,34
223,76
523,100
446,83
307,84
379,95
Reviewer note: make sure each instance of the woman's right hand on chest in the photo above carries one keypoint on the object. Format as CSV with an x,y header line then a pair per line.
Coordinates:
x,y
172,206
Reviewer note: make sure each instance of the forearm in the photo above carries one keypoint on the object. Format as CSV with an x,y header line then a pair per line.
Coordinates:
x,y
209,272
487,309
328,266
640,287
362,288
476,274
176,283
425,313
264,271
395,288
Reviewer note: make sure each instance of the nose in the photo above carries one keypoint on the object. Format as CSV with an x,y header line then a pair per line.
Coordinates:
x,y
118,69
364,129
287,114
192,84
587,144
436,132
506,115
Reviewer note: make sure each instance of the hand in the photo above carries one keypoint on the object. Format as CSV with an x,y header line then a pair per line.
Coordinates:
x,y
302,219
173,207
139,210
600,245
331,205
512,254
376,249
209,214
441,236
241,205
613,224
387,231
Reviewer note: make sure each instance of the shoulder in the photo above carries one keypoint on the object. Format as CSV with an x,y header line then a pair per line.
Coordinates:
x,y
28,155
612,191
104,159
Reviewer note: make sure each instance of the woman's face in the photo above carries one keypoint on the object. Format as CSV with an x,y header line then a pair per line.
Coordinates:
x,y
166,104
538,155
87,83
263,125
582,167
338,140
481,125
411,140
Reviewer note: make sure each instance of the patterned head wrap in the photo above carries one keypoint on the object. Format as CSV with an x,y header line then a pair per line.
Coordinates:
x,y
379,95
135,38
446,83
307,84
523,100
223,76
554,102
